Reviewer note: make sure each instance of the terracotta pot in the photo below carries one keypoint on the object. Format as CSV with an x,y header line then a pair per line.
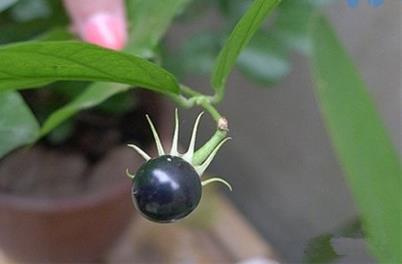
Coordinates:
x,y
63,230
73,229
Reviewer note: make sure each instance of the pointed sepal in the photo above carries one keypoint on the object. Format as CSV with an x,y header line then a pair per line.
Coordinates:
x,y
203,183
188,156
175,141
130,175
140,151
159,147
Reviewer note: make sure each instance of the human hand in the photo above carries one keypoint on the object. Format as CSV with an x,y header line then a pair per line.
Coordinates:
x,y
101,22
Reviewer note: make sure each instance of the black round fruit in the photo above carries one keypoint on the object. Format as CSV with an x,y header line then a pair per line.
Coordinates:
x,y
166,189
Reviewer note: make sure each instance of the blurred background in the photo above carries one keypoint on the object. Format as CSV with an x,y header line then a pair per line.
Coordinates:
x,y
287,182
284,172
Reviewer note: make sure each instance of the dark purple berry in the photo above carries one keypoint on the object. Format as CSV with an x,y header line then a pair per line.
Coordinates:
x,y
166,189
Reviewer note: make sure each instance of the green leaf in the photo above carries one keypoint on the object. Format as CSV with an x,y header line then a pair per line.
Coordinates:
x,y
35,63
264,59
4,4
18,126
92,96
238,39
149,21
371,164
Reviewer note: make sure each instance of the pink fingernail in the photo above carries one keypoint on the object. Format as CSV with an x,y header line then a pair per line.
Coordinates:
x,y
105,30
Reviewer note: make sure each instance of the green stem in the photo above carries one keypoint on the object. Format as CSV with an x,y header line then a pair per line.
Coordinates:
x,y
188,91
181,100
196,99
217,97
212,110
202,154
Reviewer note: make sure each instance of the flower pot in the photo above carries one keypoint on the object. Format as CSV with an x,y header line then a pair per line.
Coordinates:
x,y
80,228
76,229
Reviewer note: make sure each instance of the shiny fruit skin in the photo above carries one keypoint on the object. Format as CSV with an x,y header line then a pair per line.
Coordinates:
x,y
166,189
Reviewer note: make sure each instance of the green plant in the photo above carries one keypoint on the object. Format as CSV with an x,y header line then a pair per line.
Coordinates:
x,y
370,162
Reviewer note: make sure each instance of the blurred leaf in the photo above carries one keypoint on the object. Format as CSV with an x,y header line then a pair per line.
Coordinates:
x,y
197,56
194,10
92,96
4,4
13,32
118,103
288,31
292,25
199,53
61,133
18,126
68,89
320,250
56,34
35,63
371,164
149,21
238,39
234,9
319,3
264,59
26,10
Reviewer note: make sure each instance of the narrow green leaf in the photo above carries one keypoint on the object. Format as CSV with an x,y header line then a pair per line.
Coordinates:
x,y
238,39
149,22
92,96
35,63
18,126
370,162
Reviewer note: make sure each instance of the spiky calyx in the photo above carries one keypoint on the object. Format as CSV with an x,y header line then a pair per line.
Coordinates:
x,y
200,159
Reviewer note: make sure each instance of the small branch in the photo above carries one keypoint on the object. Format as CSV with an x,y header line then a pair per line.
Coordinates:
x,y
188,91
217,98
212,110
202,154
196,99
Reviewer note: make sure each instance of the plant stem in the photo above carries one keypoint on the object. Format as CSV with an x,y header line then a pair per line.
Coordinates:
x,y
217,97
196,99
181,100
190,92
212,110
202,154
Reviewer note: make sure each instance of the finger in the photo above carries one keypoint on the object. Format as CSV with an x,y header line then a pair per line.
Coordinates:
x,y
100,22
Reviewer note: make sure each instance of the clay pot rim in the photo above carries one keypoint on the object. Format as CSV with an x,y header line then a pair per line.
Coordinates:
x,y
69,203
